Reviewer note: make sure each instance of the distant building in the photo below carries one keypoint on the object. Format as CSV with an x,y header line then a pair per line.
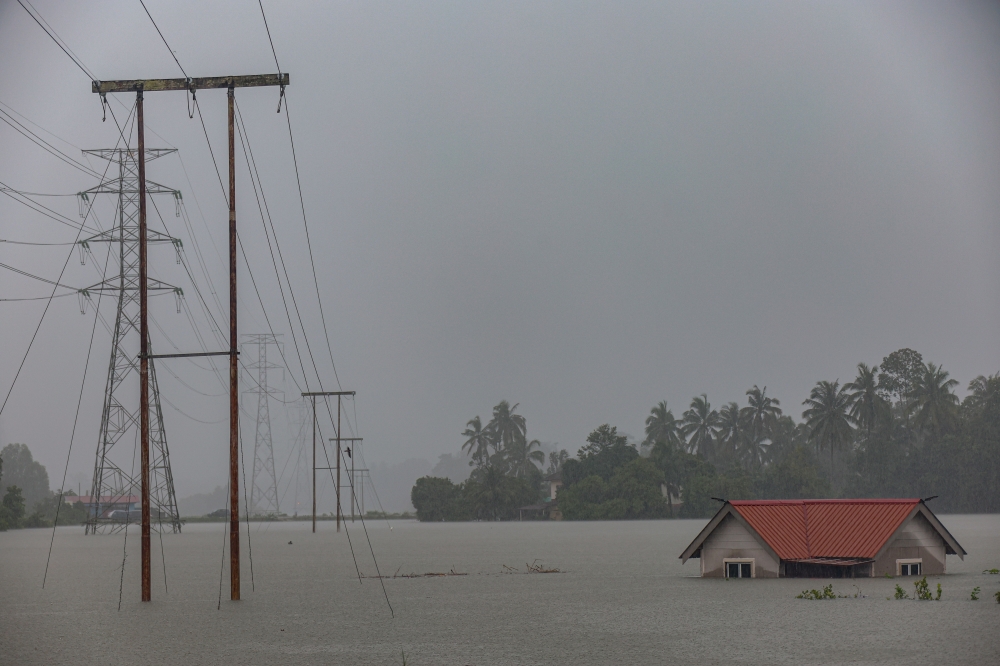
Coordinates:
x,y
107,503
823,539
555,483
549,508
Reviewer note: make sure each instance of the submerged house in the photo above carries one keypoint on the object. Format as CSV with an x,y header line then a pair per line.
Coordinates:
x,y
823,539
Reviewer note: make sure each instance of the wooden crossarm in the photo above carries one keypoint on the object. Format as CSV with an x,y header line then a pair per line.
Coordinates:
x,y
198,83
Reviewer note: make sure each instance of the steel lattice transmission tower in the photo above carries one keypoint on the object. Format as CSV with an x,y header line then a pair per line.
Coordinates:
x,y
115,476
264,482
302,422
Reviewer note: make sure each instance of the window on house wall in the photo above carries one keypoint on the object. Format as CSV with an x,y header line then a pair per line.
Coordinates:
x,y
909,567
741,568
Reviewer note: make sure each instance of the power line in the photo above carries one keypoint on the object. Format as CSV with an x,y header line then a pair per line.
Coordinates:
x,y
248,155
45,210
55,38
35,277
164,39
76,418
18,127
13,242
264,16
30,121
312,262
36,298
34,335
38,194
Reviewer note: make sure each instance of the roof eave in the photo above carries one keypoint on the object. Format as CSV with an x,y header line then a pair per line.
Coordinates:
x,y
695,545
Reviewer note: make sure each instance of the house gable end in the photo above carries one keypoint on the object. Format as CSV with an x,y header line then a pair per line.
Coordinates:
x,y
952,547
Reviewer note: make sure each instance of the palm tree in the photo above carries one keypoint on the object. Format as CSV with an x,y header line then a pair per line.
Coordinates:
x,y
731,434
661,426
762,413
556,460
828,417
506,427
522,456
932,400
477,442
664,455
980,390
868,408
700,426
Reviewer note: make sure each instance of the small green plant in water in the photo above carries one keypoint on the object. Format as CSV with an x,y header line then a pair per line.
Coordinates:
x,y
922,590
997,597
992,571
901,593
938,596
814,595
975,594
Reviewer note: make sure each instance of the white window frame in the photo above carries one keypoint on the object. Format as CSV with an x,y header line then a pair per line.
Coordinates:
x,y
740,560
912,560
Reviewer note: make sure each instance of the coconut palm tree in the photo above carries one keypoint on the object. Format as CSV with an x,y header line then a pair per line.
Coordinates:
x,y
981,390
506,427
661,426
931,399
477,441
556,460
761,413
665,455
700,426
731,433
521,457
828,417
868,408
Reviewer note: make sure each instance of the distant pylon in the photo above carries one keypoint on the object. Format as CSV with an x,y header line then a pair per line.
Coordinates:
x,y
115,478
302,423
264,482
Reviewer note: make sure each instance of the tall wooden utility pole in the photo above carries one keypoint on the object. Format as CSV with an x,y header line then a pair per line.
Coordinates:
x,y
313,395
139,86
143,354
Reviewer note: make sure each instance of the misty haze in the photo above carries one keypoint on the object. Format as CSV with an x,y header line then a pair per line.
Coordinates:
x,y
499,333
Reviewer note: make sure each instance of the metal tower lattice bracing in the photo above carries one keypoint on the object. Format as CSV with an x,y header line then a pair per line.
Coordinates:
x,y
116,480
263,482
300,422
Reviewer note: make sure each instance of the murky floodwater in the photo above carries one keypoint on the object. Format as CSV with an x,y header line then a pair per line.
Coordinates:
x,y
624,598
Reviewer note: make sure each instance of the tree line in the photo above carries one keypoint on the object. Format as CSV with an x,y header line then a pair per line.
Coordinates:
x,y
505,473
26,498
897,429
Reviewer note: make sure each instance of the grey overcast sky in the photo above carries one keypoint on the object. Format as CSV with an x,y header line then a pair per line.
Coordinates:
x,y
583,207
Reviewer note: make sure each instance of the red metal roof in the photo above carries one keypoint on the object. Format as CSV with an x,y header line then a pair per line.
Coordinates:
x,y
104,499
802,529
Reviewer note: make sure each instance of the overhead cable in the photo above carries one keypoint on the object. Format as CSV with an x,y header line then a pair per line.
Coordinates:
x,y
55,38
35,277
76,418
164,39
41,319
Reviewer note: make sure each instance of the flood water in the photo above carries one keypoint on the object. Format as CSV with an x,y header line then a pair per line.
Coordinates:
x,y
624,598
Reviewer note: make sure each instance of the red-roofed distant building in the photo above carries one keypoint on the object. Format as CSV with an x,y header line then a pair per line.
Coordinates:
x,y
105,503
823,539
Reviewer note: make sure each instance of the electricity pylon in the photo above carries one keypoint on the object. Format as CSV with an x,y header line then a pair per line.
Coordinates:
x,y
116,480
264,482
300,414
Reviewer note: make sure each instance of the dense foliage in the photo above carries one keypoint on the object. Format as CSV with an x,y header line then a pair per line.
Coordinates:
x,y
25,484
22,470
505,475
896,430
